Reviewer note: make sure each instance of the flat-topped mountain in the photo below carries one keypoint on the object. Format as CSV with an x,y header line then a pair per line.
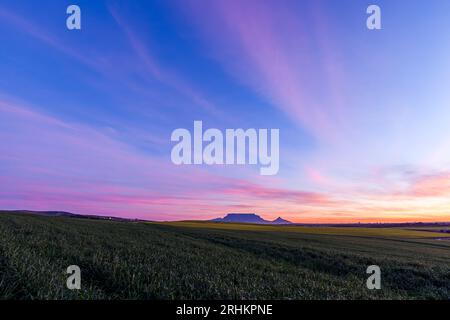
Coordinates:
x,y
249,218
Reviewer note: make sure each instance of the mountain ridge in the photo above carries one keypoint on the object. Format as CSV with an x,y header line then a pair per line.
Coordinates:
x,y
249,218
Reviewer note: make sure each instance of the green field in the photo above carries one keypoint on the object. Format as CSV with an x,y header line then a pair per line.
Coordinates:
x,y
338,231
191,260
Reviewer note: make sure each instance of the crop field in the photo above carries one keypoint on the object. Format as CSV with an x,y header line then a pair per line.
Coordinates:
x,y
342,231
191,260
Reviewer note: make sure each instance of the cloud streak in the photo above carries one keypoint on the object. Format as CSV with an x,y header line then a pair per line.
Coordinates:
x,y
253,40
49,163
163,75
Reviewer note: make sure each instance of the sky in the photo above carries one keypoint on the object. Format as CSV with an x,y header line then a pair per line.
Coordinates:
x,y
86,115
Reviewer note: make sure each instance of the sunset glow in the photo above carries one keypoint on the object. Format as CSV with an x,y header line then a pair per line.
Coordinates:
x,y
86,117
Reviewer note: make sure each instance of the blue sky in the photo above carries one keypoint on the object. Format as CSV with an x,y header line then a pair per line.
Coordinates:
x,y
363,115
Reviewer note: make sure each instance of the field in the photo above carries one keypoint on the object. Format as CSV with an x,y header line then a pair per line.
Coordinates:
x,y
339,231
192,260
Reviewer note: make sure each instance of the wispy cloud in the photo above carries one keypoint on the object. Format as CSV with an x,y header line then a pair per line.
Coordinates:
x,y
40,33
253,40
163,74
49,163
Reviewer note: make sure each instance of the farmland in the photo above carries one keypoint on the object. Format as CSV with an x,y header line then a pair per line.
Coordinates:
x,y
340,231
195,260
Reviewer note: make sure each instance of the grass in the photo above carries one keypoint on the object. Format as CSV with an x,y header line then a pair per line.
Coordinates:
x,y
343,231
136,260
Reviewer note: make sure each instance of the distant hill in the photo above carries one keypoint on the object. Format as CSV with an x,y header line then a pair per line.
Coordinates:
x,y
42,213
249,218
64,214
280,220
245,218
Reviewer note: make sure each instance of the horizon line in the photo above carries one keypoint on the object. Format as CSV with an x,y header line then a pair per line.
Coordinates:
x,y
210,220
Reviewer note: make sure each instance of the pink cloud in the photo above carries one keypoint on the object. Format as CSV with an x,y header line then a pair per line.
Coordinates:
x,y
256,191
50,164
273,65
45,157
431,186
